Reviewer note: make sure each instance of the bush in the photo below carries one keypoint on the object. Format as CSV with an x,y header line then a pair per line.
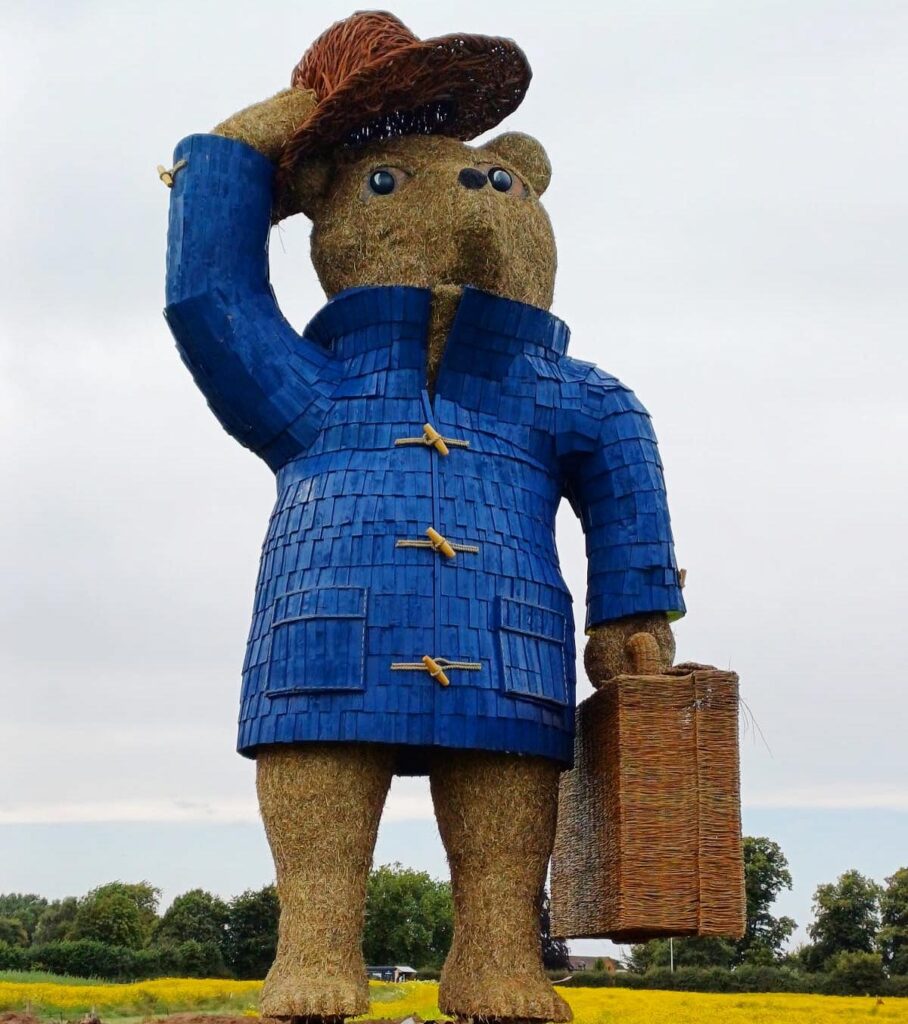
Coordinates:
x,y
857,974
747,978
603,979
13,958
896,986
86,958
428,974
854,974
192,959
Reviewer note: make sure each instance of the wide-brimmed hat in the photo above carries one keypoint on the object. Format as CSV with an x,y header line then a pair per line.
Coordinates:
x,y
373,79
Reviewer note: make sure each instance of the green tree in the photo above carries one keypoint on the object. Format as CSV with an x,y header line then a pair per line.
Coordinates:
x,y
12,932
252,920
192,959
859,974
111,918
25,908
118,913
766,874
196,916
693,952
846,919
409,918
56,921
893,937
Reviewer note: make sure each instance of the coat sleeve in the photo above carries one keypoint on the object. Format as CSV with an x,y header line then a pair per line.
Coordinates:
x,y
614,482
267,386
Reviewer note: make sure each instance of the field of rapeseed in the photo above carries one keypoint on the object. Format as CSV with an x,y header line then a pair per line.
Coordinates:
x,y
49,999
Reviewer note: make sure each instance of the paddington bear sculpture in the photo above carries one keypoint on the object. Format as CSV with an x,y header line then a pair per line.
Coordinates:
x,y
410,614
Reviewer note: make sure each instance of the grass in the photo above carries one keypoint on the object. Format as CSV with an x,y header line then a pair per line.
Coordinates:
x,y
55,998
31,977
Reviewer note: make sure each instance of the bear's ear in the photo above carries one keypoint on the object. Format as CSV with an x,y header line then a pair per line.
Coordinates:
x,y
303,188
527,155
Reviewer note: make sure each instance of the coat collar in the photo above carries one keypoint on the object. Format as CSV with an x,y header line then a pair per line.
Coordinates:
x,y
488,330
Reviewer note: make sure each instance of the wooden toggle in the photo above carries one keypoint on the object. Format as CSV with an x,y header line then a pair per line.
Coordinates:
x,y
436,667
440,544
435,670
435,439
168,176
432,439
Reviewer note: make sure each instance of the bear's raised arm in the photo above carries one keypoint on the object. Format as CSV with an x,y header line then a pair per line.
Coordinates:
x,y
614,482
267,386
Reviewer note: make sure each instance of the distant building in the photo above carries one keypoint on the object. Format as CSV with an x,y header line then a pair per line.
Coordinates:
x,y
389,973
593,963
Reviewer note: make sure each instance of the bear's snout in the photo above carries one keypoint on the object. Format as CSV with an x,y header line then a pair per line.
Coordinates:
x,y
469,177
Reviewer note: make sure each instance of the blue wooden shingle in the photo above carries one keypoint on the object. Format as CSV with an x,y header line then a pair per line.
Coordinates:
x,y
338,601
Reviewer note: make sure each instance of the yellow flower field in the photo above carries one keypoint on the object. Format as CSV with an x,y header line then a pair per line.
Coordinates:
x,y
164,995
590,1005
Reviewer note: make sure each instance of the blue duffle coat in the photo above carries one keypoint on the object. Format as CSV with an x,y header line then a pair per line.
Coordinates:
x,y
352,593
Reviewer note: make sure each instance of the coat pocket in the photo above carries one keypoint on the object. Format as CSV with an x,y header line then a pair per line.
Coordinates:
x,y
531,641
318,640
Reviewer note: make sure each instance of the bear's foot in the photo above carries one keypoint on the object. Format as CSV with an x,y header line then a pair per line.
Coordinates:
x,y
490,995
291,992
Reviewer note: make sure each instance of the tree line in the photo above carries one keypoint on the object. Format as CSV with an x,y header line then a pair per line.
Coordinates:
x,y
116,931
858,936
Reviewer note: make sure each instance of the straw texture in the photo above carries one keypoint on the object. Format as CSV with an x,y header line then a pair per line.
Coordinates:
x,y
607,653
431,231
266,125
321,805
496,815
649,835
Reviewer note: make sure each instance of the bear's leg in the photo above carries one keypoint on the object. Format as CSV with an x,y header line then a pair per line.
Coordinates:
x,y
496,815
321,805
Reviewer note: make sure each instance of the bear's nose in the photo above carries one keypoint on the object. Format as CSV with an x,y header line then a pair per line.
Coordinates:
x,y
469,177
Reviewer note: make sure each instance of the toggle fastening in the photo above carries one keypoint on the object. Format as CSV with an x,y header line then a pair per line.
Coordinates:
x,y
439,544
436,667
435,439
168,176
435,670
432,439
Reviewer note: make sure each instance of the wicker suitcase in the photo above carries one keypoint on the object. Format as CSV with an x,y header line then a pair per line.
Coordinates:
x,y
649,819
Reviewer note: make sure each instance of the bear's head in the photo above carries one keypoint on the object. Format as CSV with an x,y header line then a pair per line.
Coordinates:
x,y
432,212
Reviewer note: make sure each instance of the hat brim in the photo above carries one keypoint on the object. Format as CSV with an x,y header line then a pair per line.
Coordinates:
x,y
457,85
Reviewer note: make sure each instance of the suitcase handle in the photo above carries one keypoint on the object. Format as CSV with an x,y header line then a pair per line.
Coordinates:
x,y
643,651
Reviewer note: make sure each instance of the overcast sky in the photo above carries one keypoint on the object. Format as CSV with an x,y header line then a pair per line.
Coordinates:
x,y
730,206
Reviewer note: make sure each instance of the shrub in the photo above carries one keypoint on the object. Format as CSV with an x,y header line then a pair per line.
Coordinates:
x,y
896,986
857,974
85,958
192,959
746,978
13,958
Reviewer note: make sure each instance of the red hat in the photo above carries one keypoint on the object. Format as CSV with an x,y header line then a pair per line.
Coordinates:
x,y
373,79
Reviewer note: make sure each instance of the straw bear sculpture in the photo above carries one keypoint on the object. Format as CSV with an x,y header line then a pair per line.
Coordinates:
x,y
410,615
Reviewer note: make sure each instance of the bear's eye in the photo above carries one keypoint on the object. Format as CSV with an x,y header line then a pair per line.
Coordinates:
x,y
500,179
382,182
